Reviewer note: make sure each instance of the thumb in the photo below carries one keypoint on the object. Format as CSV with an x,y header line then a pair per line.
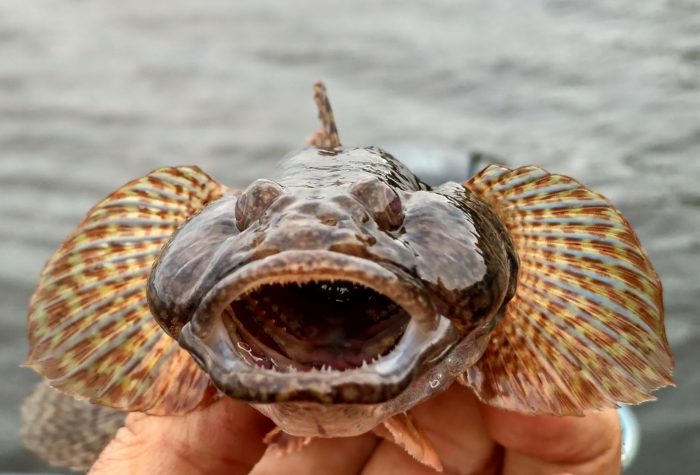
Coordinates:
x,y
226,437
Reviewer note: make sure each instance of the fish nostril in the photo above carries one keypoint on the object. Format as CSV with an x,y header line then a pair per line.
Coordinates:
x,y
367,239
329,220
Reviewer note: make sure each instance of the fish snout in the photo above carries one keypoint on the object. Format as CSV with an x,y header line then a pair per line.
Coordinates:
x,y
321,225
319,235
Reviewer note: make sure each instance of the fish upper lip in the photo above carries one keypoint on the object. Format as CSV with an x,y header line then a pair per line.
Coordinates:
x,y
426,335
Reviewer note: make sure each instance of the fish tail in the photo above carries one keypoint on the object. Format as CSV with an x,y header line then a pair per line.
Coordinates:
x,y
91,334
585,329
64,431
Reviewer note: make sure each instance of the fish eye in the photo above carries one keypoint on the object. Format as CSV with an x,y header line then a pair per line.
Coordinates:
x,y
382,201
253,202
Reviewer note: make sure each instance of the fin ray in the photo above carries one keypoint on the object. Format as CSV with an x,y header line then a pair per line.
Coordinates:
x,y
585,328
598,275
90,329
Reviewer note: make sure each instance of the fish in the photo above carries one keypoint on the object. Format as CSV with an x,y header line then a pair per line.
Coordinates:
x,y
343,291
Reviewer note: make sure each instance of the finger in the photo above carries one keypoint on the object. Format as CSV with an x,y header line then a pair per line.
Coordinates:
x,y
548,444
341,456
224,438
452,422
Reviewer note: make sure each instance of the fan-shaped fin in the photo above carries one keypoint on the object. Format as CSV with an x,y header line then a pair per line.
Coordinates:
x,y
91,334
585,329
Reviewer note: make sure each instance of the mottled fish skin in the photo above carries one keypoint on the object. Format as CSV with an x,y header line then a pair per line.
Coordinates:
x,y
343,291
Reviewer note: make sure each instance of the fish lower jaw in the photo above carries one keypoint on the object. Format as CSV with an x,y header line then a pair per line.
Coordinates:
x,y
377,380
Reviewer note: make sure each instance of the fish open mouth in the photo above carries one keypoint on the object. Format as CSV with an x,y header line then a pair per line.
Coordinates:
x,y
332,324
316,326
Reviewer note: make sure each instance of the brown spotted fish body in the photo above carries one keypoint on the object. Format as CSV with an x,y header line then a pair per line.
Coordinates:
x,y
343,291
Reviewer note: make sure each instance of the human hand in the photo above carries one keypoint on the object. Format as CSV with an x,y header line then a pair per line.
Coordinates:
x,y
470,438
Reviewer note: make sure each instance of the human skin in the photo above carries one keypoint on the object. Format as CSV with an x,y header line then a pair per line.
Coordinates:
x,y
470,437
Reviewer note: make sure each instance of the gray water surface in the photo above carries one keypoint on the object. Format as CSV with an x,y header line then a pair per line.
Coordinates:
x,y
93,94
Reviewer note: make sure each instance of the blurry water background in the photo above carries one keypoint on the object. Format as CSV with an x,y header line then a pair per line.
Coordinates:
x,y
95,93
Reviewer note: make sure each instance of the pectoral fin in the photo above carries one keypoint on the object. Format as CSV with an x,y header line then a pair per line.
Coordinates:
x,y
281,443
401,430
585,329
91,334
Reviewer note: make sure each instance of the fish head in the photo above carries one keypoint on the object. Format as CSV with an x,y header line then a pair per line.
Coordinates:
x,y
342,281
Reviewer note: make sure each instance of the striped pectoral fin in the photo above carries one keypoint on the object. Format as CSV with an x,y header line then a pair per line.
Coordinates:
x,y
91,334
585,329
